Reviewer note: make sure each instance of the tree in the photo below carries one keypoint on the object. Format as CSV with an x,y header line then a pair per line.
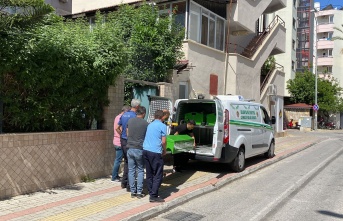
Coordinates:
x,y
301,89
26,14
153,42
55,76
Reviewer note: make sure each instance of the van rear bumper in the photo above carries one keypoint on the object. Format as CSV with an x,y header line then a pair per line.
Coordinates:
x,y
229,153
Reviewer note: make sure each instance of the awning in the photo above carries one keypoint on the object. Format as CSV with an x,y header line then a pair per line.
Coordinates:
x,y
298,106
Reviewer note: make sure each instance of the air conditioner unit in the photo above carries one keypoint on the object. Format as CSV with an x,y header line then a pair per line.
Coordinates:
x,y
272,89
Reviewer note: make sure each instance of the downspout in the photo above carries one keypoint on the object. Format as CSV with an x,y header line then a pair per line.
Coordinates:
x,y
227,49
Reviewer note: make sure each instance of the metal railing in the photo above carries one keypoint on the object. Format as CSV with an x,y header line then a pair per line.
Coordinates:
x,y
258,39
266,79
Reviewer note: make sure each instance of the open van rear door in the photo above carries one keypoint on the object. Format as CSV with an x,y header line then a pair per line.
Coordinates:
x,y
159,103
218,131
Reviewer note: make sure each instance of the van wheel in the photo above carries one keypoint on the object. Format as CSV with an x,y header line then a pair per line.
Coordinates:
x,y
270,153
238,164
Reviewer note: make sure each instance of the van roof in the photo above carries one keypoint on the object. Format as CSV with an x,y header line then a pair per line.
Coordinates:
x,y
230,97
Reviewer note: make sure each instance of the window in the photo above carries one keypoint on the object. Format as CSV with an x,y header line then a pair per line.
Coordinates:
x,y
220,30
206,27
293,44
329,35
194,24
330,53
329,69
91,23
179,10
331,19
293,65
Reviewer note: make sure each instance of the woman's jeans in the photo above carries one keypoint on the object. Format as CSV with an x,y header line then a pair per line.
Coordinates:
x,y
117,161
135,163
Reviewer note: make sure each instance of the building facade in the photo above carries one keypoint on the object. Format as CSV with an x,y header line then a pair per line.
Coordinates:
x,y
288,60
226,43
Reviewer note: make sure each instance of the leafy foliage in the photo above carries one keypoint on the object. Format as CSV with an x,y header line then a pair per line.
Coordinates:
x,y
302,90
54,74
55,77
153,43
28,13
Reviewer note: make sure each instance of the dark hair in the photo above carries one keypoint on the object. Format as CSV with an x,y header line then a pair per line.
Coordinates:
x,y
125,108
191,122
141,110
158,114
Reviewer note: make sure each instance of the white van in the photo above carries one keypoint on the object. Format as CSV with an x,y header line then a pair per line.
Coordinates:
x,y
228,129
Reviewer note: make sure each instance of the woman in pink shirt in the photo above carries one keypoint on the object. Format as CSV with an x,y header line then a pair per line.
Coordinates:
x,y
117,146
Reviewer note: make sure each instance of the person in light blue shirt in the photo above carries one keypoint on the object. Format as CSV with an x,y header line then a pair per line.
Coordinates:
x,y
154,148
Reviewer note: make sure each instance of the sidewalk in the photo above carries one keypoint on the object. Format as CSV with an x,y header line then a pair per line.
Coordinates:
x,y
106,200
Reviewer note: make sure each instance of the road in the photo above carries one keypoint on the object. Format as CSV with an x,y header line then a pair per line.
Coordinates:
x,y
305,186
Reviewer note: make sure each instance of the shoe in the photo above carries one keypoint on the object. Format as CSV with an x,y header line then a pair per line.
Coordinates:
x,y
117,179
156,200
133,195
177,169
140,195
128,189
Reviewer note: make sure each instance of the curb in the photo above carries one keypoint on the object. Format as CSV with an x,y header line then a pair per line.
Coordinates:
x,y
214,184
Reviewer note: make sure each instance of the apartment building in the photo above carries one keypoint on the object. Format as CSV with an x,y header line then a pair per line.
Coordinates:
x,y
288,60
328,62
329,56
217,62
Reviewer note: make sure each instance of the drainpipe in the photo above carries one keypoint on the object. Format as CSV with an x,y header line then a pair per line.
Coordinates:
x,y
227,49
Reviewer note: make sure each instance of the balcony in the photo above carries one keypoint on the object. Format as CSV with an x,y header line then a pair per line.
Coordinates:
x,y
244,14
325,44
325,27
325,61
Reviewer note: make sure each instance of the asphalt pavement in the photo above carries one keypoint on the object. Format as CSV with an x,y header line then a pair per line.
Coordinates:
x,y
104,199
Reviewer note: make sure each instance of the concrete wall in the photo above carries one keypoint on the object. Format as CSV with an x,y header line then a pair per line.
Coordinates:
x,y
245,13
287,14
244,73
203,61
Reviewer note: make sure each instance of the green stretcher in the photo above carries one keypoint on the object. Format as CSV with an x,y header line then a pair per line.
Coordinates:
x,y
179,143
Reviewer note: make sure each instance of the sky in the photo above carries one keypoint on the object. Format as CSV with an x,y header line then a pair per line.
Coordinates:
x,y
334,3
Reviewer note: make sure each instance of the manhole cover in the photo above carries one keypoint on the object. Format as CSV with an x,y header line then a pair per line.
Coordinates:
x,y
183,216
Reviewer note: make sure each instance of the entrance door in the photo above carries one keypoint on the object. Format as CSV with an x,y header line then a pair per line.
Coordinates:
x,y
183,90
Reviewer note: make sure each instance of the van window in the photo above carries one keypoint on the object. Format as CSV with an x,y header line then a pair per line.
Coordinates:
x,y
265,116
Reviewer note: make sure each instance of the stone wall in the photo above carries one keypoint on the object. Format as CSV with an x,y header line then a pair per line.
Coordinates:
x,y
31,162
36,161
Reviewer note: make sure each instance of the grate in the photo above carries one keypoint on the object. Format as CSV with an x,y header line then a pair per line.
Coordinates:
x,y
183,216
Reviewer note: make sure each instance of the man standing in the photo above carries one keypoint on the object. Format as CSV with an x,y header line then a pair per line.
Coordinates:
x,y
136,129
121,129
181,158
117,146
154,148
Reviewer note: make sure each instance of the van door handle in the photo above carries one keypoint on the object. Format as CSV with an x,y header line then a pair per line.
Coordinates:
x,y
220,130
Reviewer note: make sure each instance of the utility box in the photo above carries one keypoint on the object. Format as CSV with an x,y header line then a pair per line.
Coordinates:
x,y
179,143
305,122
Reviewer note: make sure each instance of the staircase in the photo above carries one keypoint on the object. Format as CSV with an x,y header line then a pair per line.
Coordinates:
x,y
257,41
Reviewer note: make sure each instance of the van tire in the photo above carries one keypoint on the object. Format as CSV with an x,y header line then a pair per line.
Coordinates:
x,y
238,164
271,150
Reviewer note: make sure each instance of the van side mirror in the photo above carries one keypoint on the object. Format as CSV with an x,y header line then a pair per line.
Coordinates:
x,y
273,119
